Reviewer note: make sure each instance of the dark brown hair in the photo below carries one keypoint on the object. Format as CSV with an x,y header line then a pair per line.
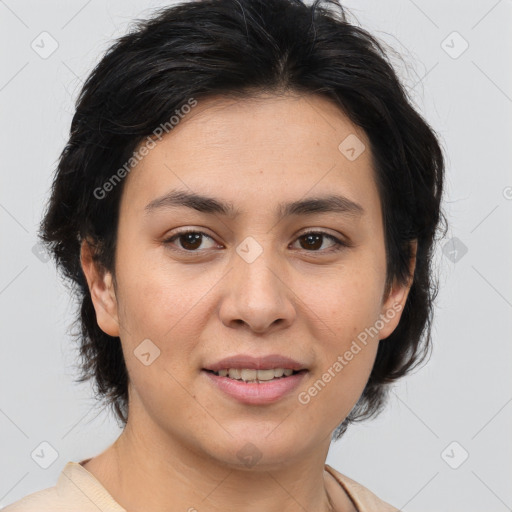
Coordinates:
x,y
239,48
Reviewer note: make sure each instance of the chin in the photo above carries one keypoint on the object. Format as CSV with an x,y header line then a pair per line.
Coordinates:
x,y
267,448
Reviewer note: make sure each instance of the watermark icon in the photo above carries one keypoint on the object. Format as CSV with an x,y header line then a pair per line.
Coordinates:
x,y
454,455
45,45
44,455
143,150
249,249
39,251
507,193
249,454
146,352
454,45
351,147
304,397
454,249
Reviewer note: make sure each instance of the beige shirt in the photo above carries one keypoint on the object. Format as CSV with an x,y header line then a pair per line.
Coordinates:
x,y
77,490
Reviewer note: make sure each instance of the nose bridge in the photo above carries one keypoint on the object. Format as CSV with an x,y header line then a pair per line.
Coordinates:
x,y
256,264
256,292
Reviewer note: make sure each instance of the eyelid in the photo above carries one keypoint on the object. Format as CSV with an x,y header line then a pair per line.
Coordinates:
x,y
322,231
339,241
169,239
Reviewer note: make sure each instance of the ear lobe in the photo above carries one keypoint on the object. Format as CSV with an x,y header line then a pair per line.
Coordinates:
x,y
396,298
102,290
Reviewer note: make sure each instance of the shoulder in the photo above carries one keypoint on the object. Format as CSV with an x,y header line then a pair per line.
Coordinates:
x,y
43,501
363,498
76,490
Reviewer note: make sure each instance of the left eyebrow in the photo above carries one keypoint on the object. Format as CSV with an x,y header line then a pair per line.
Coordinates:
x,y
211,205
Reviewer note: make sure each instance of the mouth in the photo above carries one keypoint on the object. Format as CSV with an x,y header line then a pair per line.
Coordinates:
x,y
259,376
256,380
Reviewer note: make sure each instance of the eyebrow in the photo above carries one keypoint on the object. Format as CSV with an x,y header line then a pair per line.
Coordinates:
x,y
210,205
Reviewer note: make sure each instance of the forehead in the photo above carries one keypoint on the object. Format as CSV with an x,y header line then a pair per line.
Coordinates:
x,y
255,151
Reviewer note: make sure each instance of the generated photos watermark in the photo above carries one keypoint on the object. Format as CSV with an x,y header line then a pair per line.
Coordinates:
x,y
143,149
362,338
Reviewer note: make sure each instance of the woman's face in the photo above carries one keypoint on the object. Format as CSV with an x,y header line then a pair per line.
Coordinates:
x,y
249,283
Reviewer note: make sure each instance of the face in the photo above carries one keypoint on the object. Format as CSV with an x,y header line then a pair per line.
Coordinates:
x,y
282,268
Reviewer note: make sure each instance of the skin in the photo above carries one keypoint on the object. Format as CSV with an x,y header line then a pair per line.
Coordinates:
x,y
179,448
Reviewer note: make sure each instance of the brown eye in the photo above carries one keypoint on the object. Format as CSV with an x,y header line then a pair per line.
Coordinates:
x,y
189,241
313,241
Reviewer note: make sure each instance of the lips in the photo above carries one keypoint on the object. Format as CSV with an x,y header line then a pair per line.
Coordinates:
x,y
247,378
255,393
243,361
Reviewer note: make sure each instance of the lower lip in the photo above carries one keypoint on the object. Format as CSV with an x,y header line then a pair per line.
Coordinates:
x,y
254,392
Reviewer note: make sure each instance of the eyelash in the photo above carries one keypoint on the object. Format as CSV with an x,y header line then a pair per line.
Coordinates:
x,y
339,245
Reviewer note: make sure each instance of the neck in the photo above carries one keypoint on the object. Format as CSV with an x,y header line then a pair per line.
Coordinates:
x,y
147,470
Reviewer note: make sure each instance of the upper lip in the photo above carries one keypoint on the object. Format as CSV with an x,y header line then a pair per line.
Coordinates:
x,y
249,362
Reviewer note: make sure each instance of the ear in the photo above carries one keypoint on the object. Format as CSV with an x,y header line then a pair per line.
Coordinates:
x,y
396,297
102,291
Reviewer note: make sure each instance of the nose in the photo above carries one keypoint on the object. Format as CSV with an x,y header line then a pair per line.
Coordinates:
x,y
257,295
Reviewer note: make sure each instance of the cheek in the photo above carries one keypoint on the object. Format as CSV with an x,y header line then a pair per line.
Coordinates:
x,y
156,299
348,308
161,320
348,300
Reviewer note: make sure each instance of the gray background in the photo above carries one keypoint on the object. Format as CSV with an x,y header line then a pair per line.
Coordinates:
x,y
462,395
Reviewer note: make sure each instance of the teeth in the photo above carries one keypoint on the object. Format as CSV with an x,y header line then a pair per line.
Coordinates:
x,y
247,375
255,375
264,374
234,373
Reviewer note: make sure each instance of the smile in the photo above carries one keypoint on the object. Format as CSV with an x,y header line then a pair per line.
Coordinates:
x,y
255,387
251,375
